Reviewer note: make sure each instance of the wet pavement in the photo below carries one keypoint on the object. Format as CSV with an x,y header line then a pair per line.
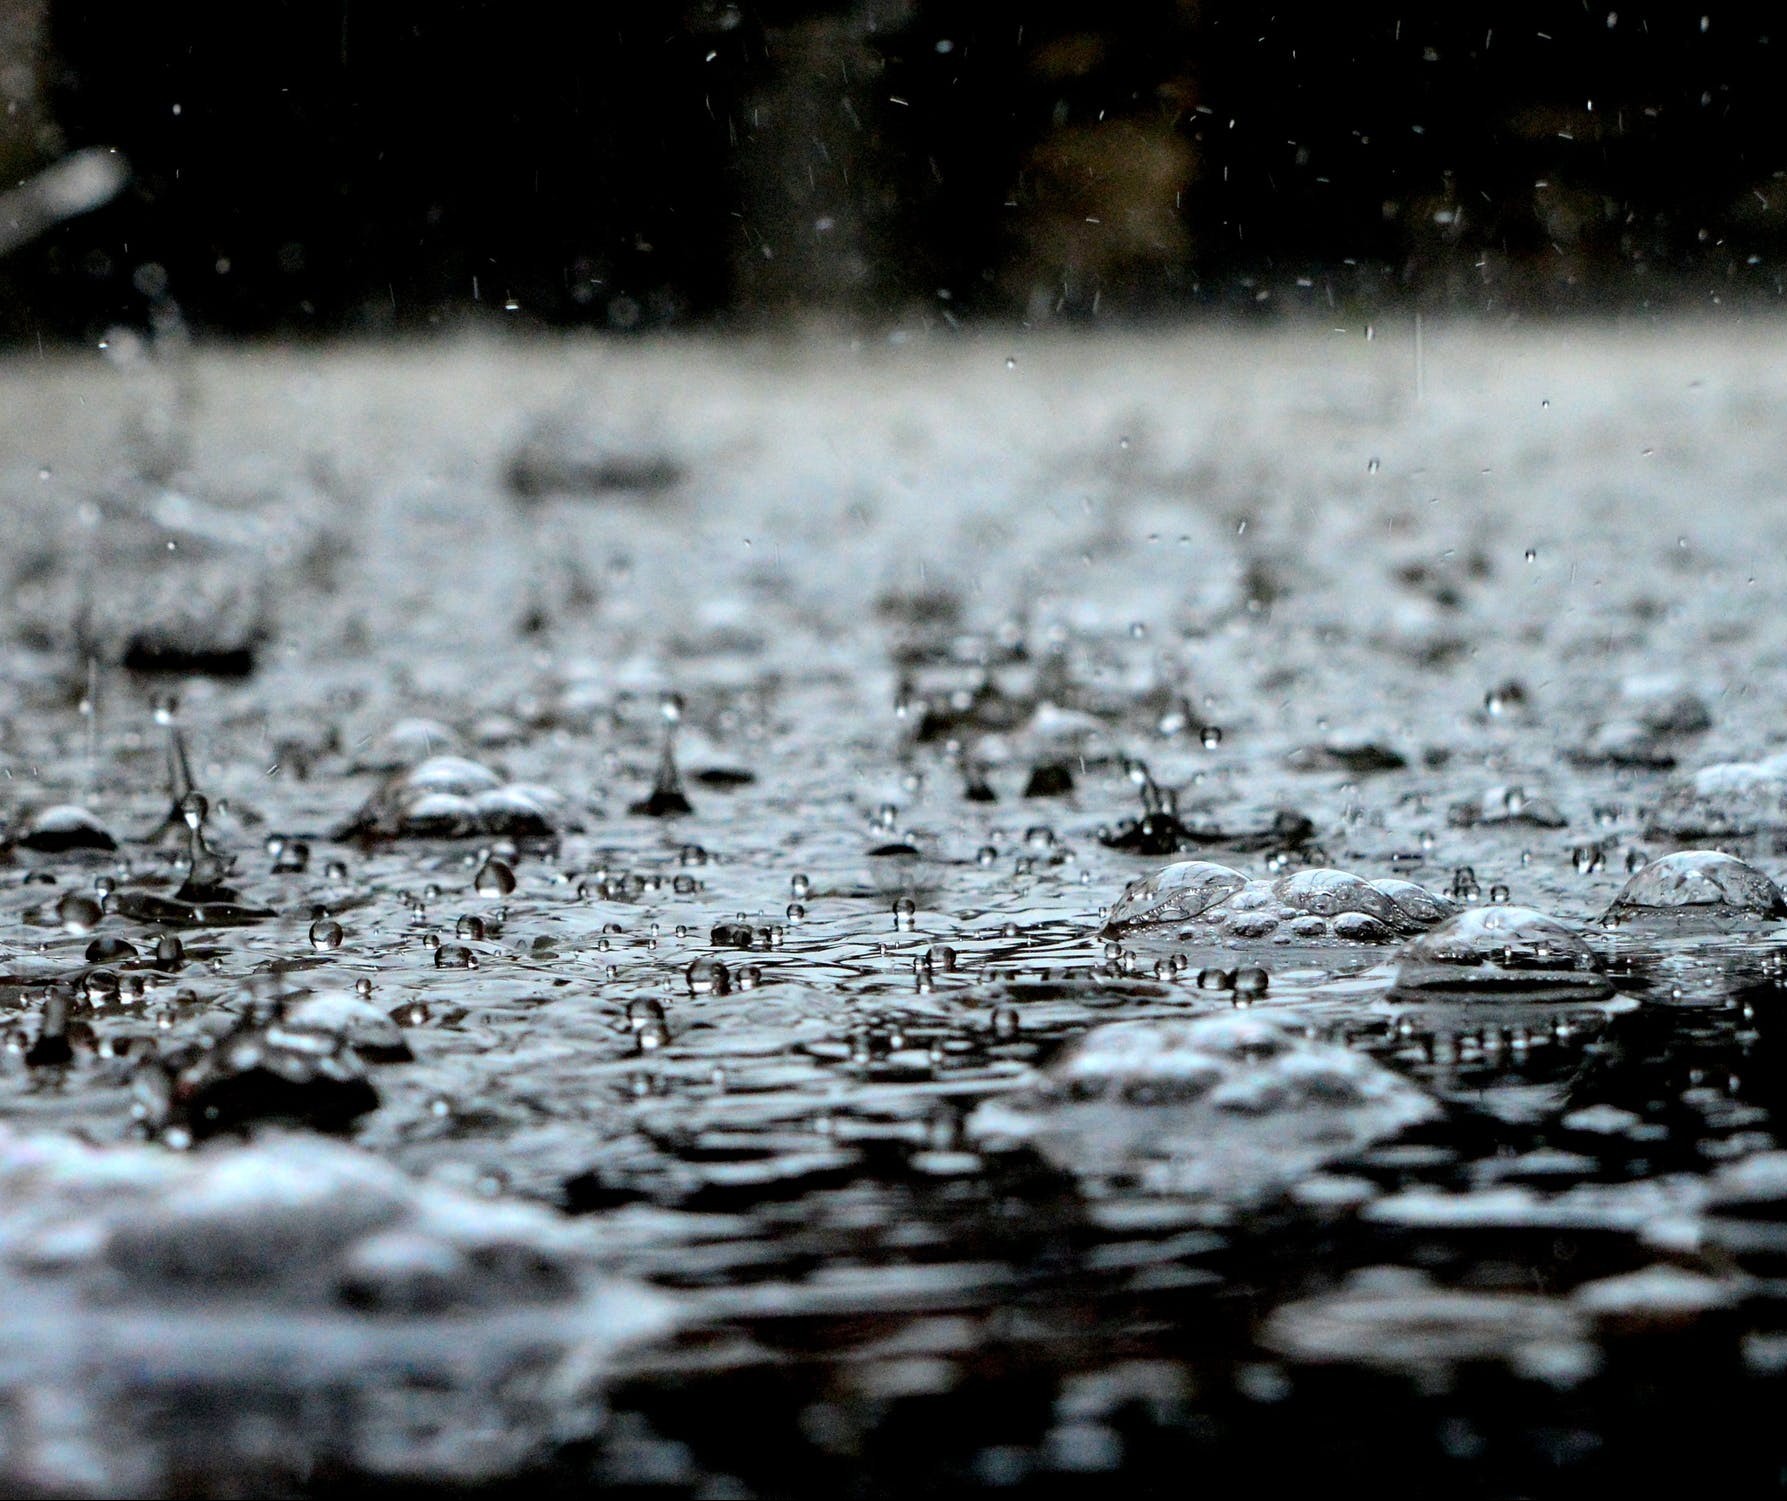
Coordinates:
x,y
792,919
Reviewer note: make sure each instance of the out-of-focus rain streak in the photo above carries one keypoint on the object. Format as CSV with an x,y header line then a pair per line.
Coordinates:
x,y
77,184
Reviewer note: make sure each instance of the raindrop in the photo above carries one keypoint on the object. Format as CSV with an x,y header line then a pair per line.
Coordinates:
x,y
325,933
494,878
78,914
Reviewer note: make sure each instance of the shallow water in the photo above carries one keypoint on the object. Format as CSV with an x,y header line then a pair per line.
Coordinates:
x,y
768,1147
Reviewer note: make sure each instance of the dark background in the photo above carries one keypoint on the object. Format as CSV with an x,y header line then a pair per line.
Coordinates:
x,y
359,167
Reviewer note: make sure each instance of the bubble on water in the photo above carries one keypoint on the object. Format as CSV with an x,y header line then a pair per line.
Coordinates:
x,y
350,1020
170,952
454,956
1490,952
470,928
708,977
63,827
644,1012
1232,1107
1697,884
78,913
1507,805
1725,801
132,1248
325,934
258,1072
494,878
1396,1319
1174,895
731,935
110,951
1308,905
449,797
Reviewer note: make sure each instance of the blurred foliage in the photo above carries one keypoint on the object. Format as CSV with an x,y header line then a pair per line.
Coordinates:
x,y
348,167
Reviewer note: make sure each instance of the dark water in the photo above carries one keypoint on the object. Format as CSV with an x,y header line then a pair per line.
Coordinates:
x,y
496,1117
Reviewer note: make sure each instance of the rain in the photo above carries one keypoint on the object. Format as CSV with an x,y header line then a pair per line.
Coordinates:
x,y
846,750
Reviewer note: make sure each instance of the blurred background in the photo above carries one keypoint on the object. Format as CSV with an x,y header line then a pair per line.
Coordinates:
x,y
335,167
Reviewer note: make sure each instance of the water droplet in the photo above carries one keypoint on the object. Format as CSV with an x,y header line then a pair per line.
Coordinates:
x,y
494,878
708,977
78,914
325,933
